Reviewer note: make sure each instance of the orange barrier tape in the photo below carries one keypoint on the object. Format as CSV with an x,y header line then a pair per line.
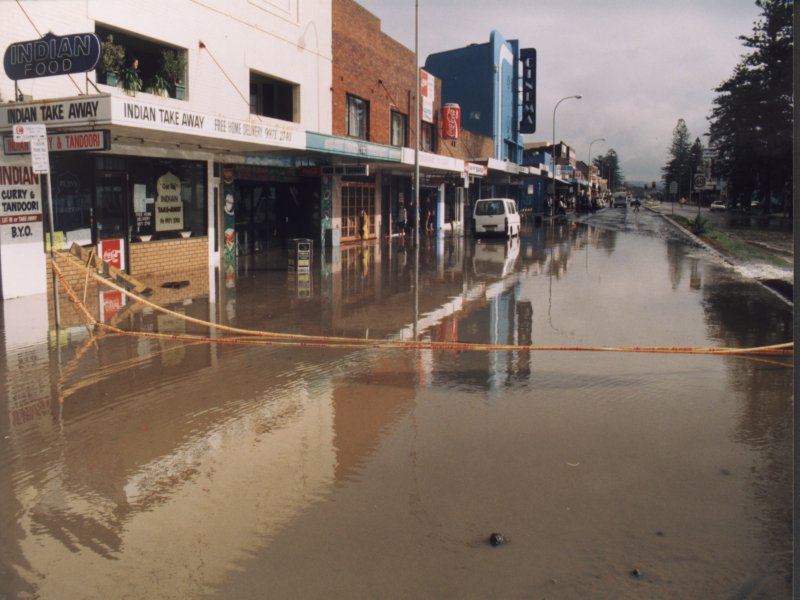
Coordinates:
x,y
266,338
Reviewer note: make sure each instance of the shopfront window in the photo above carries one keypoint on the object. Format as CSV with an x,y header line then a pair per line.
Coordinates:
x,y
357,196
72,181
105,197
167,198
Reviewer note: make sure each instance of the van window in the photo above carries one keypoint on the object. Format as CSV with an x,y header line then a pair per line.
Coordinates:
x,y
494,207
512,209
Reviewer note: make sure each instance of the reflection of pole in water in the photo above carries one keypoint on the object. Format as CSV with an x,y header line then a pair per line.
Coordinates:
x,y
550,292
524,335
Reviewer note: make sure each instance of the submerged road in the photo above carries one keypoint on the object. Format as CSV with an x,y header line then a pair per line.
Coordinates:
x,y
139,467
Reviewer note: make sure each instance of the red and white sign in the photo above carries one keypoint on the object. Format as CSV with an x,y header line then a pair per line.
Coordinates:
x,y
24,132
111,251
22,262
427,93
111,301
451,121
476,169
62,142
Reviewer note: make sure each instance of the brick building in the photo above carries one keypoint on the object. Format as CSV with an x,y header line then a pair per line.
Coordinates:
x,y
373,83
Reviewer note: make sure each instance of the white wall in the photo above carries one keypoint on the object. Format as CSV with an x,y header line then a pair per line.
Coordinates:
x,y
289,40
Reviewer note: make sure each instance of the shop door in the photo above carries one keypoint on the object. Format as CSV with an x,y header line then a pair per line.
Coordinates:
x,y
111,211
110,215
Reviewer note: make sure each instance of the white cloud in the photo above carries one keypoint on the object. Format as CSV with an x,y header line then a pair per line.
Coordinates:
x,y
640,65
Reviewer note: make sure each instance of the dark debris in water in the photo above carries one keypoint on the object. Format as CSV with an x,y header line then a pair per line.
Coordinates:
x,y
175,284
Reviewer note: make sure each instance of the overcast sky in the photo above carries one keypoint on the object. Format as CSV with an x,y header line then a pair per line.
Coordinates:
x,y
640,65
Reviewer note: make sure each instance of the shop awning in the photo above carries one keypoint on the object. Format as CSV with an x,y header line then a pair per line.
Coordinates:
x,y
151,120
342,146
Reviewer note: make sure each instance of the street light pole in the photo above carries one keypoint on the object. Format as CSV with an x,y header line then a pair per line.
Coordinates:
x,y
589,164
416,169
553,153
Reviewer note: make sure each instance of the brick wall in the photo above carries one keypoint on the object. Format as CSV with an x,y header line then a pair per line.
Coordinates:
x,y
469,146
158,262
363,56
168,257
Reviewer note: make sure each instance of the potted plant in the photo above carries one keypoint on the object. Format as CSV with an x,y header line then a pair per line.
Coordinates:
x,y
158,85
130,80
113,59
173,69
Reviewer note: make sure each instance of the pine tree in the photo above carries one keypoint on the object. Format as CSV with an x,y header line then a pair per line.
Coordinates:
x,y
681,166
608,165
752,118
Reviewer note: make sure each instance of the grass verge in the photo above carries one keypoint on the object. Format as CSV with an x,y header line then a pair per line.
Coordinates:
x,y
732,246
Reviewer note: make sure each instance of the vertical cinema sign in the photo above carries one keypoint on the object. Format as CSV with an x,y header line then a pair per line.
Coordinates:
x,y
527,57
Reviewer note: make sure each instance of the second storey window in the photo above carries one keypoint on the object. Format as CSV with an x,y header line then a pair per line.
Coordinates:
x,y
399,128
427,141
272,98
357,117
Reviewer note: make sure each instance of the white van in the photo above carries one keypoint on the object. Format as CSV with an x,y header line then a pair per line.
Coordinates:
x,y
496,215
495,257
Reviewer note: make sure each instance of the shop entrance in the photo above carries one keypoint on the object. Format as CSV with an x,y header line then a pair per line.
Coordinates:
x,y
110,212
268,214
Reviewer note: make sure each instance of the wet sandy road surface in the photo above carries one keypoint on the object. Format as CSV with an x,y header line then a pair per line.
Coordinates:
x,y
133,467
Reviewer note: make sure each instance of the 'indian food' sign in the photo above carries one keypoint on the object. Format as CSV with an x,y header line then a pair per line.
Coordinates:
x,y
53,55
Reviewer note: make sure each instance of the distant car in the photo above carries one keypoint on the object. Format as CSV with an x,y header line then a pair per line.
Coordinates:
x,y
755,204
717,205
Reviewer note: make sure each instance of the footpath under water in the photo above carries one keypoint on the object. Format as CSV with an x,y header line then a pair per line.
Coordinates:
x,y
139,467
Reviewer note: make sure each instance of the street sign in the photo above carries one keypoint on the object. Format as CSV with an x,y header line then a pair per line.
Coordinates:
x,y
24,132
40,159
673,187
699,181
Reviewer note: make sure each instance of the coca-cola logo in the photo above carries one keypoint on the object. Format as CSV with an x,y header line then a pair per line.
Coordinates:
x,y
112,305
111,256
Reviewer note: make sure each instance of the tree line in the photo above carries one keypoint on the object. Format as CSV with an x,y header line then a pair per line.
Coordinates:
x,y
750,126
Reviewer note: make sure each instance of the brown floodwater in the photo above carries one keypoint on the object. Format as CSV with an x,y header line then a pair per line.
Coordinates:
x,y
139,467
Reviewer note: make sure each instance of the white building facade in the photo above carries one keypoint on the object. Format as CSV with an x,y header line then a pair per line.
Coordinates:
x,y
132,167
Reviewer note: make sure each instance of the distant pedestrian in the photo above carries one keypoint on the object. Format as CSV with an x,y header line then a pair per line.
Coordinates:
x,y
364,225
402,217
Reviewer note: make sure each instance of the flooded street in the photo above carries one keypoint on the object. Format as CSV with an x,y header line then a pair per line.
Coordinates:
x,y
141,467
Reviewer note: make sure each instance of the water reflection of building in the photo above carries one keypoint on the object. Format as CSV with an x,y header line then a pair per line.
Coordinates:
x,y
228,443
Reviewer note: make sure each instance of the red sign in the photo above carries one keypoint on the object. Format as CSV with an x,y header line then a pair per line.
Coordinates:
x,y
451,121
64,142
110,303
111,252
16,219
